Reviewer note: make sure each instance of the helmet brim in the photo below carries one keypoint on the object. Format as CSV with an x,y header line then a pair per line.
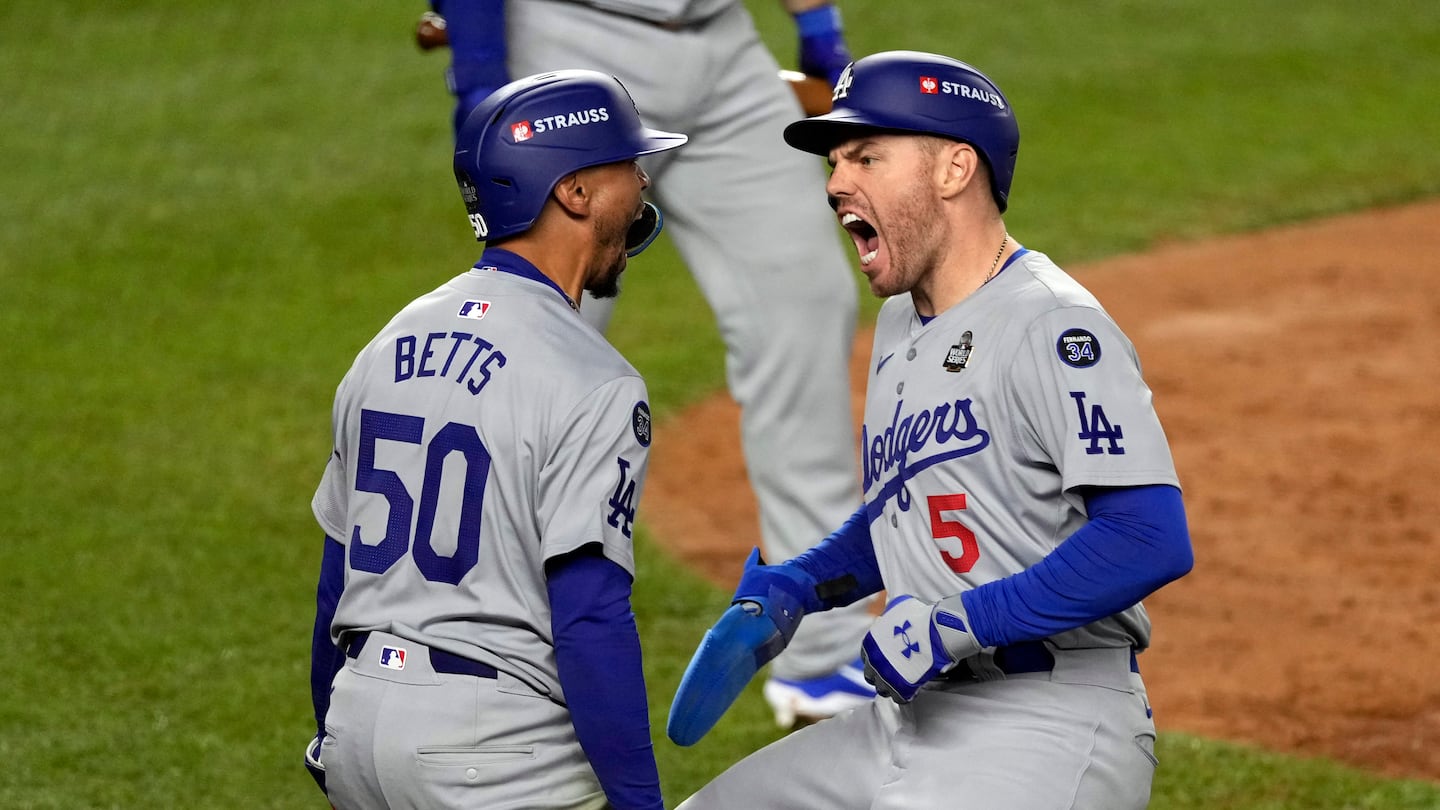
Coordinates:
x,y
651,141
822,133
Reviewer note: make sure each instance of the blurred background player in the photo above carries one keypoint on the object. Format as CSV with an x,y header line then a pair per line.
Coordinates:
x,y
490,450
748,216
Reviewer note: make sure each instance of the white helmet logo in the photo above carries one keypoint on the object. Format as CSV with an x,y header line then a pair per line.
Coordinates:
x,y
478,223
842,85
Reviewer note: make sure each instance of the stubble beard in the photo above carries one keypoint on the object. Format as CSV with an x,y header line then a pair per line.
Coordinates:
x,y
610,238
913,241
608,287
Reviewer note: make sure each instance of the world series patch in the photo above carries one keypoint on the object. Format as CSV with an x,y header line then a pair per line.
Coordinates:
x,y
1078,348
640,422
959,354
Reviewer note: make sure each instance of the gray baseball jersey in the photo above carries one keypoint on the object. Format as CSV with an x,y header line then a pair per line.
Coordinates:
x,y
979,425
486,429
747,215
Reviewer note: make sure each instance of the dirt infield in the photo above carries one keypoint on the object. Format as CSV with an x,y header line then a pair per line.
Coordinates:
x,y
1295,371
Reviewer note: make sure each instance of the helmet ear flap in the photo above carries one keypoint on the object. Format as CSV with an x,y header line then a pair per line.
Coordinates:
x,y
468,192
471,195
498,195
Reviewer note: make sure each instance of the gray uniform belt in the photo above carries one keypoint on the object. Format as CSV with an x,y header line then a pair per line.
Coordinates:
x,y
1016,659
440,661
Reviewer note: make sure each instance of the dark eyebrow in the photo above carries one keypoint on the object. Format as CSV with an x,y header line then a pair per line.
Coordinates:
x,y
855,148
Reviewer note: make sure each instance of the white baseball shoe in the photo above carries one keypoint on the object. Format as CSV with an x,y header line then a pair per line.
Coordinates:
x,y
800,703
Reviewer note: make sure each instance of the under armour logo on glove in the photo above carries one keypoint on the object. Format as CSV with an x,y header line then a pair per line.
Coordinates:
x,y
924,640
903,631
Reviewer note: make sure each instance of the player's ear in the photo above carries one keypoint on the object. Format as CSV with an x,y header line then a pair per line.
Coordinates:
x,y
956,166
574,194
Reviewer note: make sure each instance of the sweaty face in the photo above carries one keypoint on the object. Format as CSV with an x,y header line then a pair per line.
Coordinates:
x,y
618,204
882,189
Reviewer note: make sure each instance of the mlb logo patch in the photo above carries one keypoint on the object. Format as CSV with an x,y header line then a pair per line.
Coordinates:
x,y
521,131
474,310
929,85
392,657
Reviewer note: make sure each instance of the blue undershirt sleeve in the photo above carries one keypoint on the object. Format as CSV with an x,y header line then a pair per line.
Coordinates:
x,y
325,658
476,31
1135,541
597,651
843,565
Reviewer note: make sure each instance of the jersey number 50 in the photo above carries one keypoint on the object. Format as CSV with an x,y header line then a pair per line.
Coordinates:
x,y
453,438
940,529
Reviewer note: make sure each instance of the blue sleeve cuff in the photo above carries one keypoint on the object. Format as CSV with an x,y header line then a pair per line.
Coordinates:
x,y
1135,541
478,52
843,565
325,658
595,632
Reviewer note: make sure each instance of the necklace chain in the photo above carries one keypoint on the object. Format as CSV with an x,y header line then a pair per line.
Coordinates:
x,y
996,263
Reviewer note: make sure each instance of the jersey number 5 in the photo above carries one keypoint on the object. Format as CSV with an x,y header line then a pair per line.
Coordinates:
x,y
453,438
942,530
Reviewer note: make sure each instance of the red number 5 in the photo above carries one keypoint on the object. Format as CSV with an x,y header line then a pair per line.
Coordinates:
x,y
941,528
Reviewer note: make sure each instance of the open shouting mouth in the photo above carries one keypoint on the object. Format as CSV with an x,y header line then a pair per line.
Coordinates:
x,y
867,239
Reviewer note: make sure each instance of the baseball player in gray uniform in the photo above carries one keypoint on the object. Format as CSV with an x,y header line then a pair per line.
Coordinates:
x,y
748,218
1020,497
490,450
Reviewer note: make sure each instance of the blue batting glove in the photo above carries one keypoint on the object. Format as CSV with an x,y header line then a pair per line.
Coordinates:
x,y
823,51
782,592
912,642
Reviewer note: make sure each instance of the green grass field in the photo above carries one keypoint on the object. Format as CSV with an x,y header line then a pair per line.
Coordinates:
x,y
206,209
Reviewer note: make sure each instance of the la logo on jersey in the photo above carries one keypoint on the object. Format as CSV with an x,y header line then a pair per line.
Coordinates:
x,y
622,502
521,131
1095,427
929,85
392,657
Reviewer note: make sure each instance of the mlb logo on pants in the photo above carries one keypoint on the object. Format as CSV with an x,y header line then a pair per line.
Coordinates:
x,y
392,657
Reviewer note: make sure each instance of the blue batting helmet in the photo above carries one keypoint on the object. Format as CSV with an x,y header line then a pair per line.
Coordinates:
x,y
920,93
525,137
